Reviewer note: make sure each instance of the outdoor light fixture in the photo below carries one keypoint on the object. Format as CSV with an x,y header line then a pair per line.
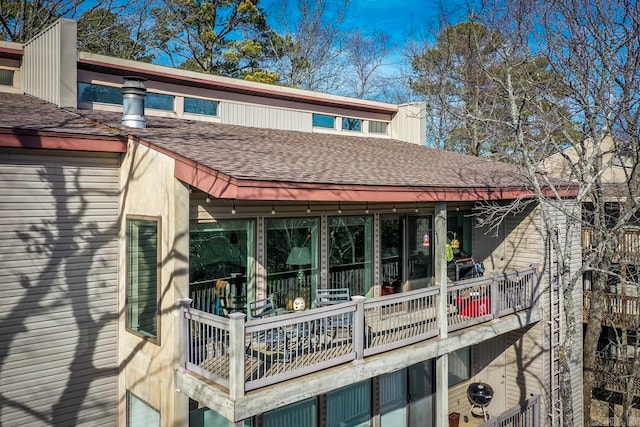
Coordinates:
x,y
339,208
367,209
273,208
308,207
233,209
416,206
208,199
394,207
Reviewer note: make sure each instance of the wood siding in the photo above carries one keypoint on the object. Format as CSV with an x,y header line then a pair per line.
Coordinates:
x,y
58,308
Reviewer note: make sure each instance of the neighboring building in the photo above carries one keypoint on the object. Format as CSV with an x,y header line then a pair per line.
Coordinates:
x,y
617,361
129,252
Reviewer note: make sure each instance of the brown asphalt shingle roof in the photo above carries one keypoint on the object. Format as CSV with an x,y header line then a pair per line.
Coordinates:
x,y
276,155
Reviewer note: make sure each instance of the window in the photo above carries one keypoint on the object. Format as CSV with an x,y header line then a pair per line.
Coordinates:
x,y
378,127
142,277
159,101
98,93
139,414
459,366
351,253
298,414
205,107
351,124
222,251
6,77
324,121
406,254
292,259
350,406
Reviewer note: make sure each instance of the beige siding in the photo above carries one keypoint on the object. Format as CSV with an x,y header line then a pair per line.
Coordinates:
x,y
264,117
49,64
408,124
58,306
149,188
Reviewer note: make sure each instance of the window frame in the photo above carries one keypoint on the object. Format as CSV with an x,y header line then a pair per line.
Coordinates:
x,y
375,123
352,120
129,394
323,116
191,98
158,221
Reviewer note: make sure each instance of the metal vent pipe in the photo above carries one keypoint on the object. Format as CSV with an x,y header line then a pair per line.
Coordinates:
x,y
133,94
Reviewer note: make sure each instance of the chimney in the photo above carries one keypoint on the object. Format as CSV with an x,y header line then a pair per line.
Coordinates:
x,y
133,93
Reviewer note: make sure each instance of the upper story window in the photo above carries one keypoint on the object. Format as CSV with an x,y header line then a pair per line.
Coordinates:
x,y
90,92
378,127
351,124
142,276
6,77
205,107
324,121
159,101
98,93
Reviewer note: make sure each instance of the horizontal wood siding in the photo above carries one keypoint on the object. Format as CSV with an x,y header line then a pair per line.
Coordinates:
x,y
58,307
264,117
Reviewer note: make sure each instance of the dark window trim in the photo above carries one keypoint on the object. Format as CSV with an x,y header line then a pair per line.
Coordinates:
x,y
158,220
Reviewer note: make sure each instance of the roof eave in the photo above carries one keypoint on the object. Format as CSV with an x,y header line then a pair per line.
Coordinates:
x,y
220,185
36,139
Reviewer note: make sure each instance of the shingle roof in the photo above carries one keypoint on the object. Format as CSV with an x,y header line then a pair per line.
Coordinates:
x,y
24,113
247,153
278,155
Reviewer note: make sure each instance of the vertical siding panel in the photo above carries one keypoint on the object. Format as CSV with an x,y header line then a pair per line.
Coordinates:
x,y
58,287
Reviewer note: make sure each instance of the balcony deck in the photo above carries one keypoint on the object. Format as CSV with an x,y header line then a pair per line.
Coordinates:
x,y
620,311
628,250
281,348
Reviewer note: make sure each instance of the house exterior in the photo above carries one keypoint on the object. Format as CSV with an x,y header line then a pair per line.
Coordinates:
x,y
134,257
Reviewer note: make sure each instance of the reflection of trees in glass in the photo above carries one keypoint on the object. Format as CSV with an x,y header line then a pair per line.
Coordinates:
x,y
97,93
390,237
219,249
347,240
285,234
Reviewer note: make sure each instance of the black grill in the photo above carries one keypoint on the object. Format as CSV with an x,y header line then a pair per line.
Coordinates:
x,y
480,394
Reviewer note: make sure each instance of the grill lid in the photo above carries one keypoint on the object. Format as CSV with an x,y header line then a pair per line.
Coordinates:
x,y
480,393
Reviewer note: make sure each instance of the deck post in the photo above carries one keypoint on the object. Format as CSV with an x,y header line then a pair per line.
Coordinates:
x,y
442,390
183,324
358,328
535,284
236,355
495,295
440,263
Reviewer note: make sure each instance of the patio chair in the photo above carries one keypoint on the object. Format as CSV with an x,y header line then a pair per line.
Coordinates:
x,y
265,308
328,297
271,339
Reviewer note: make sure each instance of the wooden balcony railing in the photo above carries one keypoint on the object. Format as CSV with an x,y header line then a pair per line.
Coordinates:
x,y
628,249
620,311
613,374
244,355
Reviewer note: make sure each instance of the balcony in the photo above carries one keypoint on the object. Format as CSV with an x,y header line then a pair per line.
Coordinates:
x,y
239,356
614,374
628,249
620,311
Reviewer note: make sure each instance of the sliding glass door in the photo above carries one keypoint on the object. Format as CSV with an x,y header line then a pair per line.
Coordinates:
x,y
406,253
